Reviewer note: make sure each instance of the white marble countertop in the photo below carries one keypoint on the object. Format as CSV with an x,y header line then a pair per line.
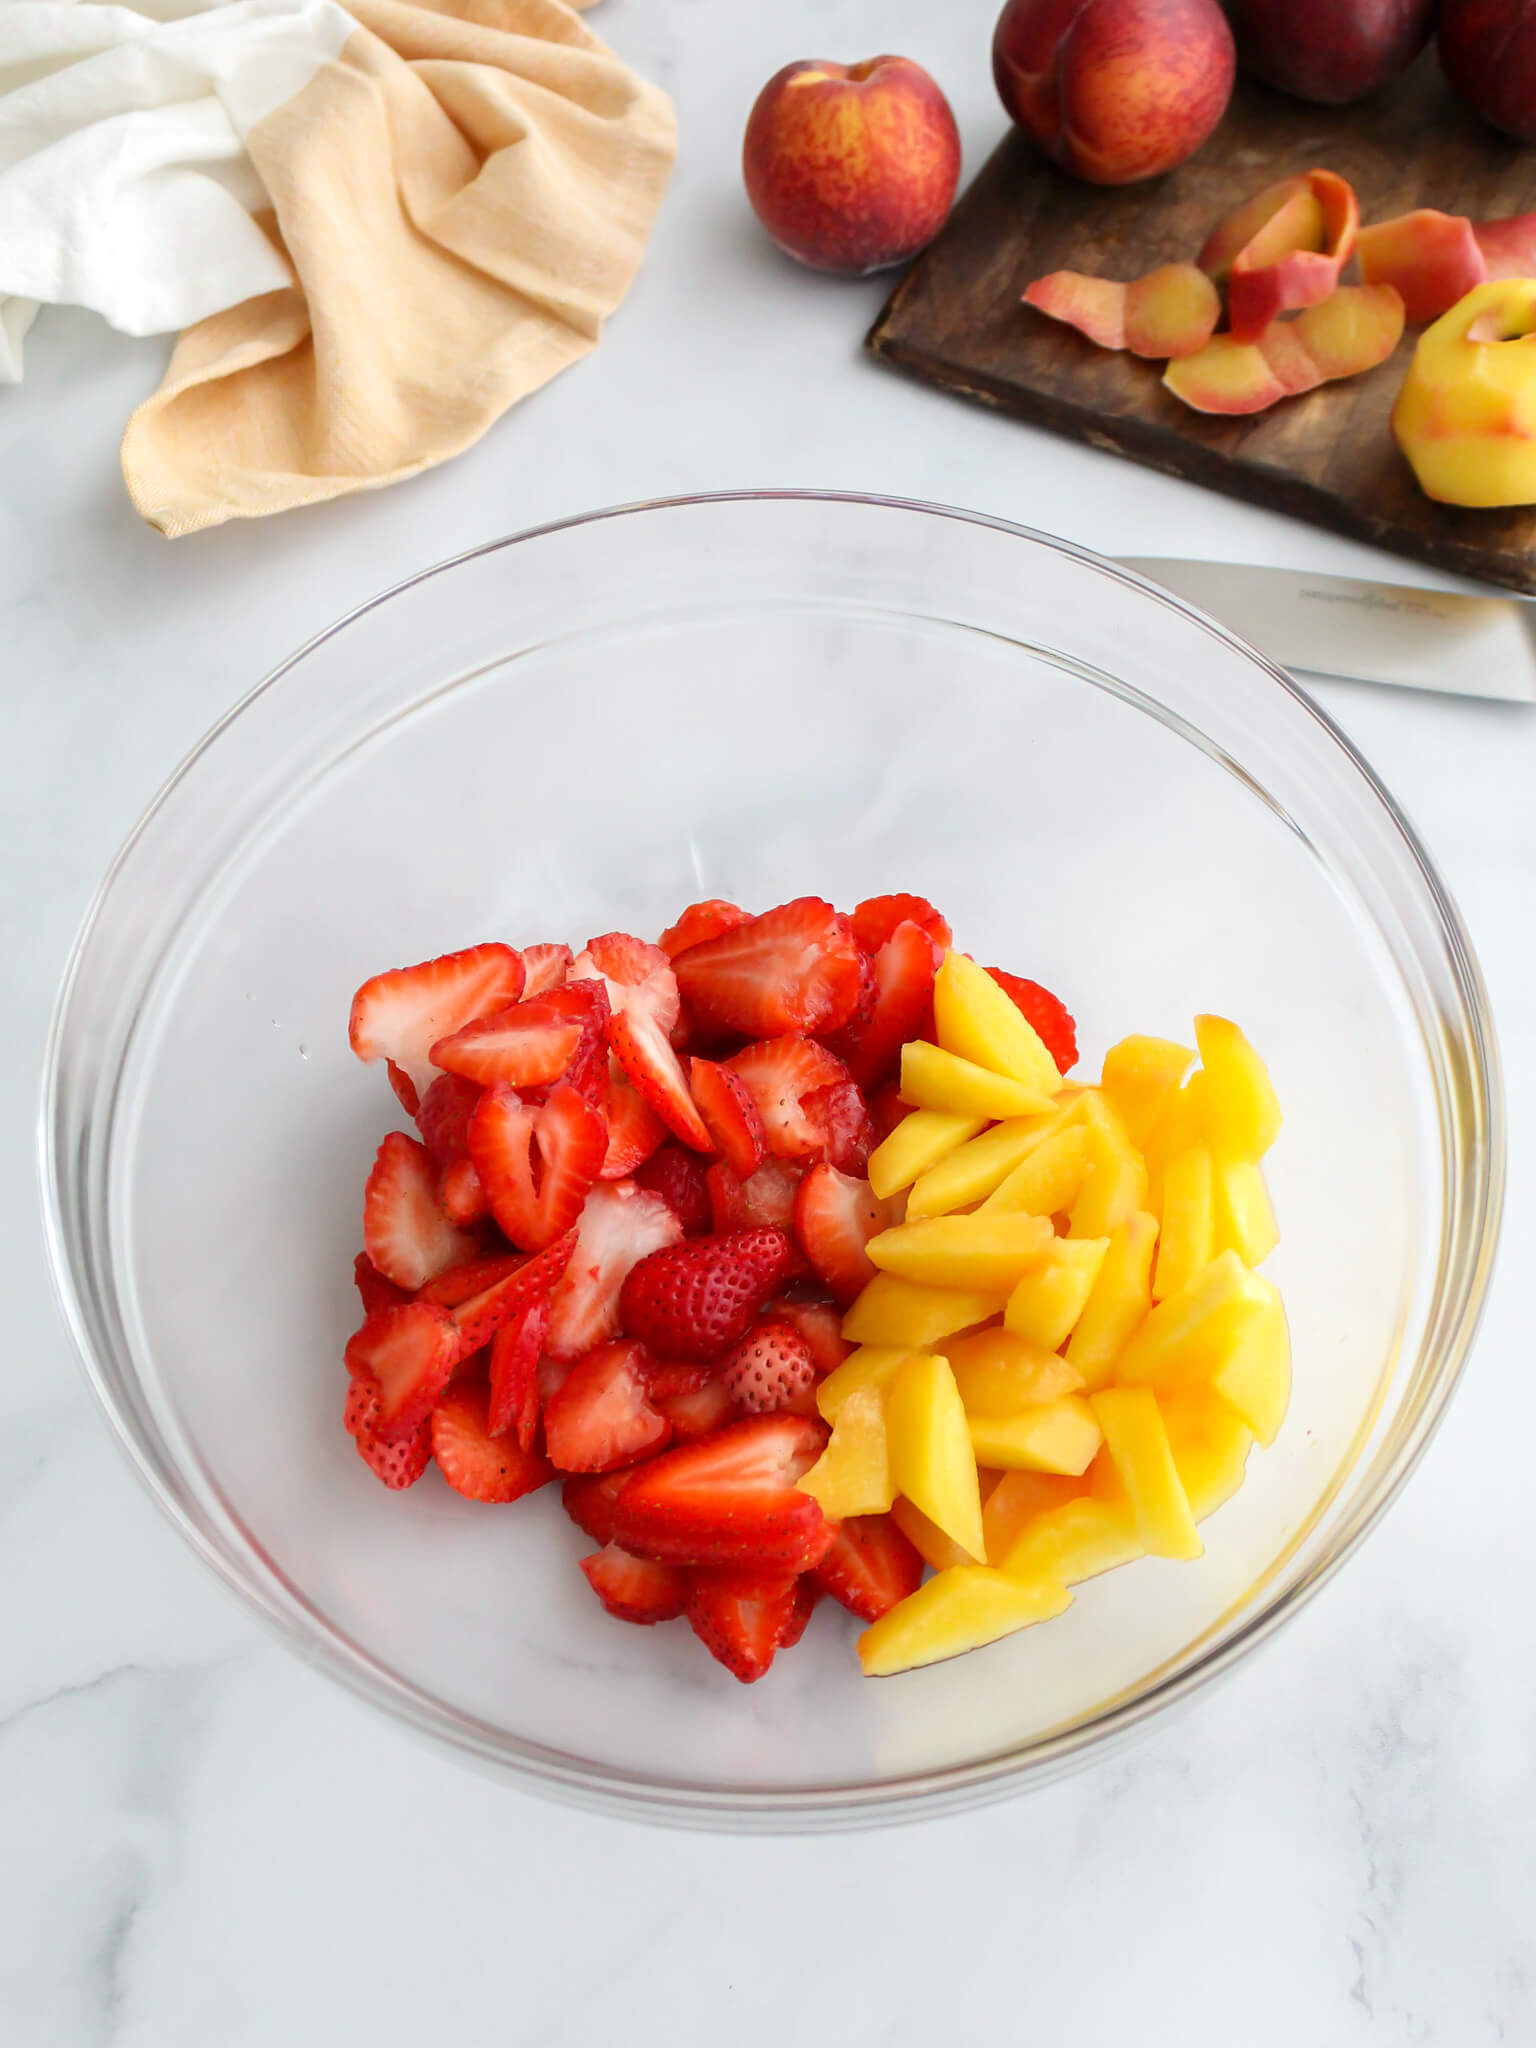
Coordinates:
x,y
205,1843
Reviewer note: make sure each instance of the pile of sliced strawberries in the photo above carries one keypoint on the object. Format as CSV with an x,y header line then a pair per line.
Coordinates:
x,y
619,1248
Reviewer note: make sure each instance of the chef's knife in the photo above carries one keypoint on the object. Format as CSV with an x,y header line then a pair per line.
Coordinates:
x,y
1368,632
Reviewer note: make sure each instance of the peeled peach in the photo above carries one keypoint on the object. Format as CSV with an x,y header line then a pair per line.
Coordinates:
x,y
1171,311
1466,415
1353,330
851,168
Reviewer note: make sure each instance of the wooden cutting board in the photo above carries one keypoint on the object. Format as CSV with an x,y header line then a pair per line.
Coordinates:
x,y
956,319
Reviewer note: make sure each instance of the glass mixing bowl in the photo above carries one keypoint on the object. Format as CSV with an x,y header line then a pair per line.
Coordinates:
x,y
758,697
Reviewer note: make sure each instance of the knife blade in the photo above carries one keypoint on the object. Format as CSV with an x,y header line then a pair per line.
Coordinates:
x,y
1365,631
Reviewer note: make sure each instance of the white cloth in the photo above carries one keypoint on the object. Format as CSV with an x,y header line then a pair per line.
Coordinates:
x,y
124,180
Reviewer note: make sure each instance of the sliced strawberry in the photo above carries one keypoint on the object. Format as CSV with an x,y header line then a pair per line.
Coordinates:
x,y
645,1053
769,1367
1047,1013
462,1194
634,1128
410,1353
870,1566
643,998
400,1015
741,1617
482,1316
527,1044
664,1377
406,1092
701,921
730,1115
398,1464
730,1499
619,1224
765,1197
514,1370
904,969
821,1326
377,1291
795,968
602,1416
876,918
835,1217
473,1461
840,1114
405,1232
694,1301
589,1497
553,1374
636,975
886,1110
807,1594
679,1178
459,1283
780,1074
635,1588
699,1412
444,1114
537,1164
544,968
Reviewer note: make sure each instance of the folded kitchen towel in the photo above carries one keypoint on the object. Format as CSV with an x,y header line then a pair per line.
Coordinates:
x,y
380,225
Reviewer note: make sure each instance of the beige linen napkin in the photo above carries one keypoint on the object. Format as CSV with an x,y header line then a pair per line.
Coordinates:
x,y
464,195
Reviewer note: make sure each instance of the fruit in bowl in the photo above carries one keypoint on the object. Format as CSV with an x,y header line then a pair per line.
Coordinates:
x,y
1114,90
851,168
785,1246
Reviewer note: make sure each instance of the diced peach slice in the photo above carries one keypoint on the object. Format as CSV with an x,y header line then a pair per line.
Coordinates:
x,y
1118,1302
918,1143
927,1538
1295,258
1075,1540
961,1609
1255,1375
1139,1075
1241,1110
853,1474
1354,329
1017,1499
1171,311
1054,1436
1434,259
1186,1240
1046,1303
1243,1218
932,1462
1197,1332
986,1252
934,1079
974,1169
892,1311
998,1373
871,1365
975,1019
1047,1180
1137,1442
1114,1181
1210,1444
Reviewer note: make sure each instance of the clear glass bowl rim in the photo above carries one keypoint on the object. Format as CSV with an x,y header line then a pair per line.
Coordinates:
x,y
922,1794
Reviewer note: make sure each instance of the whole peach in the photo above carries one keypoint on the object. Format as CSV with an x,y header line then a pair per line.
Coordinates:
x,y
1114,90
1488,52
1329,51
851,168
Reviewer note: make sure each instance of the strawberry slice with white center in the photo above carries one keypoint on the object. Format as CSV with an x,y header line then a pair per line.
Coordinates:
x,y
643,998
796,968
870,1566
409,1354
877,917
544,967
741,1617
476,1463
781,1075
618,1226
765,1198
405,1232
526,1045
602,1416
481,1316
730,1499
730,1115
842,1116
836,1215
401,1015
635,1131
904,969
537,1162
464,1200
398,1464
635,1588
696,1412
515,1348
701,921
